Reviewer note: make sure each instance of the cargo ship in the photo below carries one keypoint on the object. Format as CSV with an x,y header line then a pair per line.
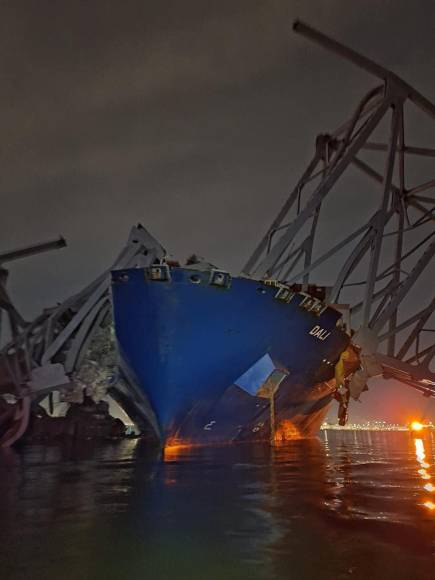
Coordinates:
x,y
220,359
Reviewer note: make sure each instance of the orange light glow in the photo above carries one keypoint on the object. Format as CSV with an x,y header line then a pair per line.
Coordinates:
x,y
286,431
416,426
423,474
174,447
429,487
429,504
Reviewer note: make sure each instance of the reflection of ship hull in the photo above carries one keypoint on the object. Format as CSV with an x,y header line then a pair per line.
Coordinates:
x,y
206,353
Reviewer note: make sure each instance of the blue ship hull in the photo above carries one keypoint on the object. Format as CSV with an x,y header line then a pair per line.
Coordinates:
x,y
201,353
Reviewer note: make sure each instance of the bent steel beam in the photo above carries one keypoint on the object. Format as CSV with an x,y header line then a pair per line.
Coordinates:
x,y
410,252
46,355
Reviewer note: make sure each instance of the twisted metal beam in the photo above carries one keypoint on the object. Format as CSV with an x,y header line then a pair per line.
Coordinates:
x,y
385,314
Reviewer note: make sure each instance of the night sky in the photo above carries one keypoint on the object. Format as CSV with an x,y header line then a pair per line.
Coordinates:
x,y
194,118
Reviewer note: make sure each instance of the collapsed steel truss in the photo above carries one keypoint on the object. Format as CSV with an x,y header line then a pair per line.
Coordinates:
x,y
45,355
404,213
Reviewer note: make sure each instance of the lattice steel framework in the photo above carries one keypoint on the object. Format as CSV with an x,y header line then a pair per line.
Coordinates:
x,y
384,321
44,355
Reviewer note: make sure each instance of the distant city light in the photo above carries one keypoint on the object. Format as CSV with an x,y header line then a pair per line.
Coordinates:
x,y
366,426
377,426
416,426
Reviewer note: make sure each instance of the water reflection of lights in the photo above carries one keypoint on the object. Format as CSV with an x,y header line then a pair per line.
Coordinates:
x,y
419,449
420,453
286,431
174,448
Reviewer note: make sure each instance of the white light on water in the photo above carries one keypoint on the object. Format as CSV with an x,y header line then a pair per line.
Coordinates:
x,y
420,454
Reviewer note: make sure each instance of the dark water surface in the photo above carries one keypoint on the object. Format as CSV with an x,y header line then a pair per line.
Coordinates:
x,y
346,505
